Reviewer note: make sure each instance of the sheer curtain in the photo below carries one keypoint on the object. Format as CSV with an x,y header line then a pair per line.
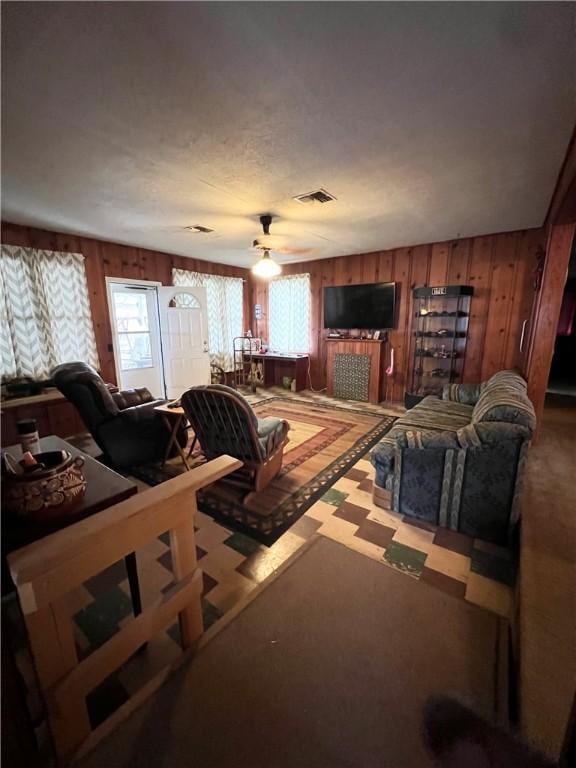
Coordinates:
x,y
45,316
224,296
289,313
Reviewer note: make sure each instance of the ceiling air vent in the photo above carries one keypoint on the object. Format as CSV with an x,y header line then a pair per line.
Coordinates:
x,y
319,196
198,228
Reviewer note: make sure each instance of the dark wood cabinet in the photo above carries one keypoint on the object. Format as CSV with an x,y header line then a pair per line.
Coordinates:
x,y
53,413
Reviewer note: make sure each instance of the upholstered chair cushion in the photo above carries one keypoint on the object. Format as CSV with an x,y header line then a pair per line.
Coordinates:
x,y
127,398
467,394
271,434
427,439
84,387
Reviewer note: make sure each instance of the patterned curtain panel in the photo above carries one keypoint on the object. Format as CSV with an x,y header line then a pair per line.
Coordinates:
x,y
224,296
289,313
45,314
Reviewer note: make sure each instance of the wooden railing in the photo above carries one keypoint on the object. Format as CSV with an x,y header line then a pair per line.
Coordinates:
x,y
47,571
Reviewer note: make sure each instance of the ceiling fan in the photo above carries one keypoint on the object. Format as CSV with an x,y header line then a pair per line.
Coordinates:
x,y
268,242
265,266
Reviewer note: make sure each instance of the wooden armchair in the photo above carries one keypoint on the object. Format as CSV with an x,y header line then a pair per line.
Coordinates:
x,y
224,423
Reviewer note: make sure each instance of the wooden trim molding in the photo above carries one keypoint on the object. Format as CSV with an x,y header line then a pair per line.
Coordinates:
x,y
565,180
547,312
560,233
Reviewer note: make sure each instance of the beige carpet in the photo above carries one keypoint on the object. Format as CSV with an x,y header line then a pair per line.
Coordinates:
x,y
328,666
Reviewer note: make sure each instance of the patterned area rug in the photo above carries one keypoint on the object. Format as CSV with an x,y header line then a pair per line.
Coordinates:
x,y
324,443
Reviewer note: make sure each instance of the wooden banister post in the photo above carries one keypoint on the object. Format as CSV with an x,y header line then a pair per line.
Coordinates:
x,y
51,636
184,562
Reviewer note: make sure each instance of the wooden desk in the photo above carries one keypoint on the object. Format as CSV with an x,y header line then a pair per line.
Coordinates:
x,y
277,365
104,488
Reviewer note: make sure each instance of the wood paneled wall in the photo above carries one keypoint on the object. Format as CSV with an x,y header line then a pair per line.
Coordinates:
x,y
105,259
498,266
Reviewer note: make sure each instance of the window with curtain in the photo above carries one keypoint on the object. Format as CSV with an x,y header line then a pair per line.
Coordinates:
x,y
45,316
224,296
289,313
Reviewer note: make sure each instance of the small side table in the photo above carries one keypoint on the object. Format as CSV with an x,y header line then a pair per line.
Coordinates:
x,y
173,419
104,488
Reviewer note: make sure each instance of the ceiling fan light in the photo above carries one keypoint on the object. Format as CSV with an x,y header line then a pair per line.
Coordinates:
x,y
266,266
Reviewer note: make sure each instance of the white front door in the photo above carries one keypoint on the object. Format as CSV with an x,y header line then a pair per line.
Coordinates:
x,y
136,336
184,328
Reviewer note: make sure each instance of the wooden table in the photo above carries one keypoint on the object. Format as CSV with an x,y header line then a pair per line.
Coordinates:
x,y
104,488
173,419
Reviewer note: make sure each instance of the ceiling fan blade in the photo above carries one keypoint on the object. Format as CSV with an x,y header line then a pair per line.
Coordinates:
x,y
295,251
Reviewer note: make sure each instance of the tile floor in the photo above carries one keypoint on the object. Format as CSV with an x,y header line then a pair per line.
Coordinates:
x,y
234,564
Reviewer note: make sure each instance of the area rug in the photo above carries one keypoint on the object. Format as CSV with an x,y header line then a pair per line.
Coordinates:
x,y
324,443
328,665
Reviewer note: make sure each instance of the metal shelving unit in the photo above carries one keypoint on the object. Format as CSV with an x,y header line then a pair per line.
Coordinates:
x,y
440,332
247,371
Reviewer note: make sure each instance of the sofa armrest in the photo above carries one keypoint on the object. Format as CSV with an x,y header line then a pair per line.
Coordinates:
x,y
382,458
467,394
382,455
491,433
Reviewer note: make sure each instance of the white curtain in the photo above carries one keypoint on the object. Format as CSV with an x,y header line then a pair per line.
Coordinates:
x,y
45,316
289,313
224,296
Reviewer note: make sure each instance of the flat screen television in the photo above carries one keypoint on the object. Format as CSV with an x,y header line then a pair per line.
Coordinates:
x,y
371,306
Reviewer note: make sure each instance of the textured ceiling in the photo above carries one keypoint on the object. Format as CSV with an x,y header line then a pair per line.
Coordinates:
x,y
427,121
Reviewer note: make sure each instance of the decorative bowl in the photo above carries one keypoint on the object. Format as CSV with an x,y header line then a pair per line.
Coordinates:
x,y
61,484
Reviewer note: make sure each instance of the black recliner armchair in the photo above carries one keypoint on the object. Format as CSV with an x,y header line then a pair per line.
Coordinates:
x,y
124,424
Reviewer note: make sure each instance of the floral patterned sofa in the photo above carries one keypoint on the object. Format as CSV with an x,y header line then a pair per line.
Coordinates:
x,y
458,461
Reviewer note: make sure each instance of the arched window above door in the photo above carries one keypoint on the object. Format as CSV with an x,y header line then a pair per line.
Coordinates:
x,y
184,301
